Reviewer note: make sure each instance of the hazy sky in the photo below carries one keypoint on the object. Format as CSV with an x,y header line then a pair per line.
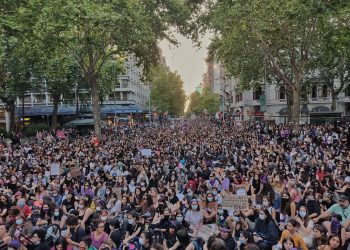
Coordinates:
x,y
187,60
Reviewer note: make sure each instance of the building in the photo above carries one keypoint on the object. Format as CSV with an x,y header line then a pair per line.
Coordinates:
x,y
315,105
130,96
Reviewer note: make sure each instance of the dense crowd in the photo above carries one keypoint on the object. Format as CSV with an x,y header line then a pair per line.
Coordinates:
x,y
156,187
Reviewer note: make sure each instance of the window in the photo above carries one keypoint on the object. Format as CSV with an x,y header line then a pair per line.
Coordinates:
x,y
282,93
257,93
125,96
324,91
347,90
314,92
39,99
239,97
124,83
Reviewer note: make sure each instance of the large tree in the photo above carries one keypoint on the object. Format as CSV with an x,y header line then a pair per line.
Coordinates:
x,y
95,30
331,59
266,39
206,101
167,92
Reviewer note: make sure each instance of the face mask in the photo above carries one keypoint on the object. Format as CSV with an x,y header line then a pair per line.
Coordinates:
x,y
194,207
143,184
81,206
104,218
210,199
221,211
108,192
262,216
54,195
265,203
21,204
236,219
215,192
242,241
130,221
141,241
19,221
189,193
132,183
302,214
179,219
45,209
56,214
98,209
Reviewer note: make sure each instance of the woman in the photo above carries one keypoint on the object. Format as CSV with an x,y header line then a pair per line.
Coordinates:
x,y
146,240
334,243
319,236
288,208
68,203
184,242
5,238
193,216
114,205
305,226
58,218
60,244
292,233
85,213
172,183
45,216
99,235
278,184
239,224
288,244
265,231
244,239
148,205
155,196
209,209
137,197
41,192
223,219
22,226
170,235
4,206
267,203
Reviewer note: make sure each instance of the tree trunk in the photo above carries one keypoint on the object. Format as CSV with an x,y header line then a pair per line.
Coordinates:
x,y
56,100
296,106
289,96
11,109
22,113
334,101
95,105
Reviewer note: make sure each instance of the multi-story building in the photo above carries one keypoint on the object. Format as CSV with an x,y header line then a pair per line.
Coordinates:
x,y
130,96
315,105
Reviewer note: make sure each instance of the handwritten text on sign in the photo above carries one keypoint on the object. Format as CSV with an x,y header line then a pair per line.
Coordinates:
x,y
235,202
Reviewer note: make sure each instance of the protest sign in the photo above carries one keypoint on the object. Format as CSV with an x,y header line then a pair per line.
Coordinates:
x,y
205,231
147,152
75,172
235,202
55,169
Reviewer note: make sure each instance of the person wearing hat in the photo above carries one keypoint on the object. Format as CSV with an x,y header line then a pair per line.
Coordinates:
x,y
342,208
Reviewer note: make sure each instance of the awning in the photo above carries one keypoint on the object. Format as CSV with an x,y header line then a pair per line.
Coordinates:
x,y
81,122
71,110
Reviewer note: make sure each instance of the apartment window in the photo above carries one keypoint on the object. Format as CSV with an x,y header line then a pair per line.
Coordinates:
x,y
257,93
27,99
117,84
124,83
324,91
239,97
347,90
125,96
282,93
39,99
314,92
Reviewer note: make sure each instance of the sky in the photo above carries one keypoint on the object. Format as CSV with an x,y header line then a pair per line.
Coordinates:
x,y
187,59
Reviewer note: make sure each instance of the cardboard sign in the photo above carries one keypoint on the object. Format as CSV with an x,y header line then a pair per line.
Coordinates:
x,y
146,152
75,172
235,202
205,231
55,169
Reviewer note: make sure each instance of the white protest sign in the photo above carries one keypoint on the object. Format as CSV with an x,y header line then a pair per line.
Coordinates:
x,y
147,152
55,169
235,202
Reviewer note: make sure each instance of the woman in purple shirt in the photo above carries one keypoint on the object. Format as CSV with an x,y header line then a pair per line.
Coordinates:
x,y
99,235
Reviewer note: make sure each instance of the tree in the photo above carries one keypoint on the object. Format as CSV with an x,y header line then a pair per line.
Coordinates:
x,y
206,101
167,92
95,30
274,38
331,59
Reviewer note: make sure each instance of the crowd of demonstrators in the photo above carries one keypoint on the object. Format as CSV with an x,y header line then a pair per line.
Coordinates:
x,y
155,187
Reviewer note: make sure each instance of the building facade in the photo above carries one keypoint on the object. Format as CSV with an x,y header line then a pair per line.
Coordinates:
x,y
130,96
315,105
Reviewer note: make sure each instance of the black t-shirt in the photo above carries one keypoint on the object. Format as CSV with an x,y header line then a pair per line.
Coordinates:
x,y
69,204
174,200
131,229
116,237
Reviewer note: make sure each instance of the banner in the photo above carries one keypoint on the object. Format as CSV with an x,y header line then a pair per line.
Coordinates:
x,y
235,202
263,106
146,152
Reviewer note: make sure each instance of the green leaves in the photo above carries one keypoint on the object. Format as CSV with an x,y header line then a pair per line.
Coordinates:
x,y
167,93
206,101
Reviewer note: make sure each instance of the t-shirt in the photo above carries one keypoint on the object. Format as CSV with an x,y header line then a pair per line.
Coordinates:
x,y
344,212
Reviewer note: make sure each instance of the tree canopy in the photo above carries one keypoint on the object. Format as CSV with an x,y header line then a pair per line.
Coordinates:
x,y
207,101
167,92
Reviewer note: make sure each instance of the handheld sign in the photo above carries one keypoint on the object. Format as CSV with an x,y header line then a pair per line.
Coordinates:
x,y
235,202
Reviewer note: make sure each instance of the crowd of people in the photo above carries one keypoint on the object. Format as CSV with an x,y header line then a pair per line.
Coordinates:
x,y
156,187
